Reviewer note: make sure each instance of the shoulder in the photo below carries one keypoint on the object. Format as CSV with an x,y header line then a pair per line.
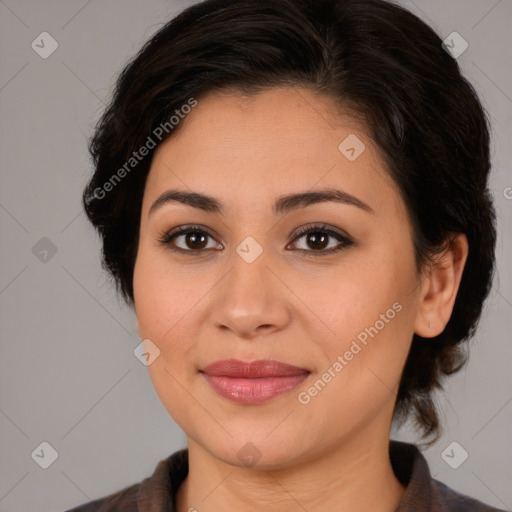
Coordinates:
x,y
449,500
153,493
424,493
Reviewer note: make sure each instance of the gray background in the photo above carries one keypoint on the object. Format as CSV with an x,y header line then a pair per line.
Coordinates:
x,y
68,375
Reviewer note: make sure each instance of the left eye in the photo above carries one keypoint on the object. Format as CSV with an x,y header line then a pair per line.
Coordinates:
x,y
318,239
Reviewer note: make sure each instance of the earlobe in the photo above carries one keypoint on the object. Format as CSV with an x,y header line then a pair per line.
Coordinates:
x,y
439,288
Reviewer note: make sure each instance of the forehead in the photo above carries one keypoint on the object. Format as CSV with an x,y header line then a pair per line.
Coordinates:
x,y
251,146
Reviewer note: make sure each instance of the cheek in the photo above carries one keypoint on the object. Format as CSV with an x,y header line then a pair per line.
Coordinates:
x,y
370,312
168,306
162,295
364,363
353,297
161,304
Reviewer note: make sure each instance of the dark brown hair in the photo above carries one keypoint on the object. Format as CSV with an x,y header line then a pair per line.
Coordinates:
x,y
370,56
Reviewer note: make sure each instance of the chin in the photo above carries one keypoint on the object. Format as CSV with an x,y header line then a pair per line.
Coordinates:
x,y
257,450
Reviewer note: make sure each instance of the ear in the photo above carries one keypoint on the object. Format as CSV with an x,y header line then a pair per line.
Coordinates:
x,y
439,288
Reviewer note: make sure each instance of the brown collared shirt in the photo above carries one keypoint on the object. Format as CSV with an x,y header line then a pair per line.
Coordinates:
x,y
423,493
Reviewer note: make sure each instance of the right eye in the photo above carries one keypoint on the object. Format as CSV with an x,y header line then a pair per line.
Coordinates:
x,y
193,239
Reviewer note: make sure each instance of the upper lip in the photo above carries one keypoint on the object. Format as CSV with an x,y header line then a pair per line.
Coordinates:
x,y
251,370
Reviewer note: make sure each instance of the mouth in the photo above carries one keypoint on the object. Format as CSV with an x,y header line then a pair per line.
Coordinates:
x,y
254,382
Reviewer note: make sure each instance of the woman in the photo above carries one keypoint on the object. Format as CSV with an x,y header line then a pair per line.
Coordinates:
x,y
293,197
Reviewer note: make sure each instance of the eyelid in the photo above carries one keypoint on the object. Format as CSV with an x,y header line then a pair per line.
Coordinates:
x,y
308,228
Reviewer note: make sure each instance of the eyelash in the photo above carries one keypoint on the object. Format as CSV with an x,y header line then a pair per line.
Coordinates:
x,y
167,237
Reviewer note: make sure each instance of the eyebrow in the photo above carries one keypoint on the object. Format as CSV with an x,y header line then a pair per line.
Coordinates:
x,y
282,205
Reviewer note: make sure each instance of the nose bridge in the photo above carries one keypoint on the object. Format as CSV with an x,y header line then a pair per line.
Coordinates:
x,y
248,280
249,296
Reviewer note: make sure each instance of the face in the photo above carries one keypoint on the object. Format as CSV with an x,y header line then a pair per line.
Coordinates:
x,y
327,286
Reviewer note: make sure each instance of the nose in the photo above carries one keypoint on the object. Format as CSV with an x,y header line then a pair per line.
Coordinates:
x,y
251,301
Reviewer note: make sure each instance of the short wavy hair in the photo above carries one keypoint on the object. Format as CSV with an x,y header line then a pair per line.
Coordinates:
x,y
372,57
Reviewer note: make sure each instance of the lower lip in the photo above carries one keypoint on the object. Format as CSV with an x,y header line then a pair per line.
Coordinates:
x,y
253,391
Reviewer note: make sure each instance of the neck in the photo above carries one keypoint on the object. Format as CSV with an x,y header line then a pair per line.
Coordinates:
x,y
355,477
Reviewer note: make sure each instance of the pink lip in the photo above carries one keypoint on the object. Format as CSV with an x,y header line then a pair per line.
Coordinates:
x,y
255,382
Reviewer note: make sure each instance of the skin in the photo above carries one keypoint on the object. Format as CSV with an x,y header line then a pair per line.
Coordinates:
x,y
199,308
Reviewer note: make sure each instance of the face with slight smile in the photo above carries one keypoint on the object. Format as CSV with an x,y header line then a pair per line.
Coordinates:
x,y
328,287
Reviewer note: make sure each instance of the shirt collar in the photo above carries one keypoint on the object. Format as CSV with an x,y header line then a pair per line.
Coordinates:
x,y
412,470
